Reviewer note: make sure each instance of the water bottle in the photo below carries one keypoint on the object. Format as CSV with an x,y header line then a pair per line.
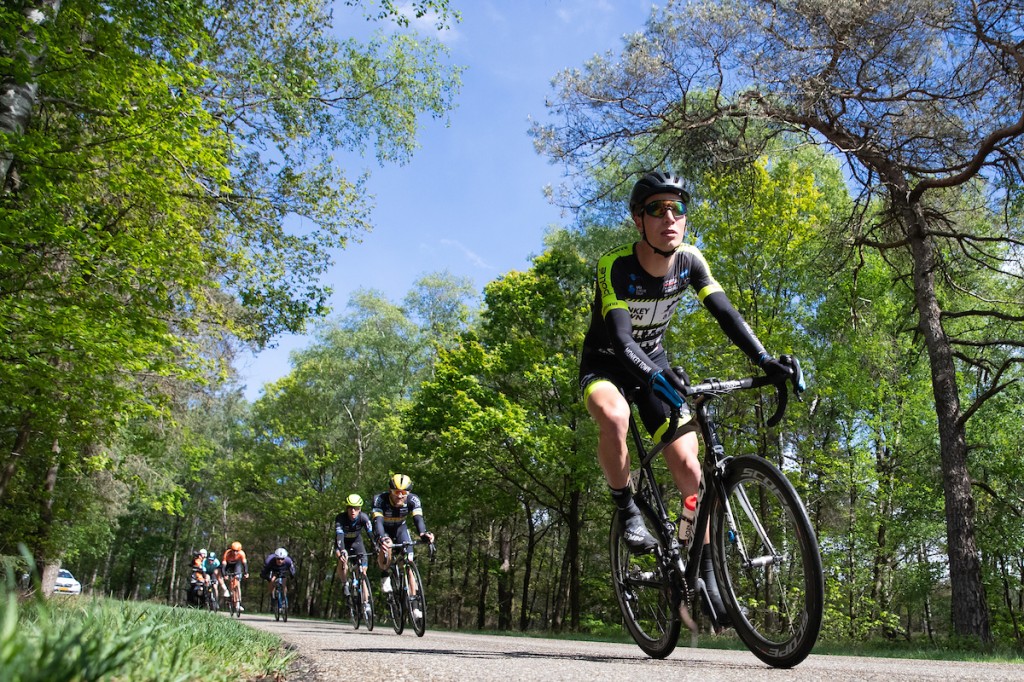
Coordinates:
x,y
686,520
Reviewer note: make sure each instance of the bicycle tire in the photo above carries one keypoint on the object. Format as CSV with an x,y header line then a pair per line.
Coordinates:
x,y
368,616
284,606
775,599
419,601
276,605
354,610
645,595
396,604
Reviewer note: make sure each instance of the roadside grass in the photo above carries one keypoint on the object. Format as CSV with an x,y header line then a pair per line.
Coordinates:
x,y
82,639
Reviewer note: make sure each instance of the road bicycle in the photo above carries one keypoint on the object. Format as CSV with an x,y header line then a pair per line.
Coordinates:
x,y
212,598
279,598
401,601
763,547
360,595
234,595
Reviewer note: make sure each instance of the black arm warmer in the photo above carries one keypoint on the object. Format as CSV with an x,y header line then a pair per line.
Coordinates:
x,y
620,330
734,326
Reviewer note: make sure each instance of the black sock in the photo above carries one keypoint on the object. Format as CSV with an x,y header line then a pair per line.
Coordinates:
x,y
705,561
623,497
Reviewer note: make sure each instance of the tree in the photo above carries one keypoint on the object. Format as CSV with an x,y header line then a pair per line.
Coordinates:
x,y
169,189
923,100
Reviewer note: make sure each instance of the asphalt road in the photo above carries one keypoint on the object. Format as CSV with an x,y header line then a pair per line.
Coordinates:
x,y
336,651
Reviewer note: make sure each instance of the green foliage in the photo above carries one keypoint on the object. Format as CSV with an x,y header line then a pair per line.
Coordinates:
x,y
76,638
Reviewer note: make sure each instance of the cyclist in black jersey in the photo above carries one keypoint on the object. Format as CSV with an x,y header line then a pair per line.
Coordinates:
x,y
390,509
349,527
638,289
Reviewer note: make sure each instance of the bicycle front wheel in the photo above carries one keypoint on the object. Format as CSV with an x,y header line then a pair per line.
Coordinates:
x,y
645,596
395,602
354,607
767,563
368,603
418,602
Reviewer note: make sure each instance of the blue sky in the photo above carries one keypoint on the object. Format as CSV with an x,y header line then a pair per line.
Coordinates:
x,y
471,200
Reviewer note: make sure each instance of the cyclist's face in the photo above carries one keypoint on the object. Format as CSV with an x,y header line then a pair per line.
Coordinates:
x,y
398,496
353,512
665,232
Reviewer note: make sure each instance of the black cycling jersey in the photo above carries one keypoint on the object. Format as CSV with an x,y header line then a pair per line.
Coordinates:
x,y
390,519
348,533
632,308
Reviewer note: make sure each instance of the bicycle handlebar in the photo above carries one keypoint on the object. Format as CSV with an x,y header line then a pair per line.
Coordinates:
x,y
721,386
431,548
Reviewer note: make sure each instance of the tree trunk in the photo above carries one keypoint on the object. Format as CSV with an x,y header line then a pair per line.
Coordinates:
x,y
466,574
18,100
969,607
531,544
172,594
485,578
43,558
505,577
573,556
17,452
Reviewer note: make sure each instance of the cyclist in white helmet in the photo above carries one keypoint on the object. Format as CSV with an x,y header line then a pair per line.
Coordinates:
x,y
277,563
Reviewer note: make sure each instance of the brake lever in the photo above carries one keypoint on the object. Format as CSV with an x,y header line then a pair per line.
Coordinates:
x,y
799,386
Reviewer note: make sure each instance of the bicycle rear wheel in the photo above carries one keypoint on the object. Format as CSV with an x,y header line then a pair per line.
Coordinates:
x,y
767,563
645,596
417,602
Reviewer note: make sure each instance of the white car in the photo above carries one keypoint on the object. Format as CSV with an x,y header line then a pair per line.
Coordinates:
x,y
66,583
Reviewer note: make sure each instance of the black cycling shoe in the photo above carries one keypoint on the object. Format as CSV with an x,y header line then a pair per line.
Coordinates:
x,y
635,533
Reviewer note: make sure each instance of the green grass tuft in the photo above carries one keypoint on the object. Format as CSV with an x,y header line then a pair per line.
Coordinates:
x,y
83,639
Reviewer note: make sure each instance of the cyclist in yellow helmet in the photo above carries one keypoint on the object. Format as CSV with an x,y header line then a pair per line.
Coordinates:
x,y
390,509
349,527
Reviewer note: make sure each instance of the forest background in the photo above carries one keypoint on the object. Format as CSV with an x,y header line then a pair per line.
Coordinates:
x,y
857,182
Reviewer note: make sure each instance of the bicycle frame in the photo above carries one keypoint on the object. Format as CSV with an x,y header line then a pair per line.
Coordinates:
x,y
713,466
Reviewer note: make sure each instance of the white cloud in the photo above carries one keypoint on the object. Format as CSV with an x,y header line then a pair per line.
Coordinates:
x,y
470,255
427,25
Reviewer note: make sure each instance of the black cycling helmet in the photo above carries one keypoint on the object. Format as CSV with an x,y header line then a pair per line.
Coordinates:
x,y
655,183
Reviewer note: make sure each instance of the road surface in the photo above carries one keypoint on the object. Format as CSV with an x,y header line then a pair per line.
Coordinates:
x,y
333,651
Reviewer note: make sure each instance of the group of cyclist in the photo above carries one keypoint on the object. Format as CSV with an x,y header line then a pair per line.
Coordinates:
x,y
385,527
207,572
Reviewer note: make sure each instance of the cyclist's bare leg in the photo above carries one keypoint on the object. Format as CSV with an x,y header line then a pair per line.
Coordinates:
x,y
611,412
413,587
684,464
384,557
342,570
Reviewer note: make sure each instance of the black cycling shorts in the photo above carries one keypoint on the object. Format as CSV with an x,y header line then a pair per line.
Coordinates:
x,y
654,412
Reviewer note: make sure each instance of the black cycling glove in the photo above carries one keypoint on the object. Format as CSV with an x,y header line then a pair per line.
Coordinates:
x,y
775,369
